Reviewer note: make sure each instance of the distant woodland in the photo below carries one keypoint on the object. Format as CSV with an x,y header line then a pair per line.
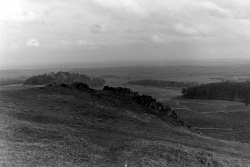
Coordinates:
x,y
161,83
64,77
109,76
235,91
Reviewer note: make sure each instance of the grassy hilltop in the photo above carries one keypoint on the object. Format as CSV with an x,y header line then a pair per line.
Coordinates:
x,y
73,125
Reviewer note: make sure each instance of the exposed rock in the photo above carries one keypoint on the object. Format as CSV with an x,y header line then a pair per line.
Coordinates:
x,y
151,103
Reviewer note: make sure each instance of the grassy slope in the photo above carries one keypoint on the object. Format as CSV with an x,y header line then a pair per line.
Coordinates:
x,y
62,127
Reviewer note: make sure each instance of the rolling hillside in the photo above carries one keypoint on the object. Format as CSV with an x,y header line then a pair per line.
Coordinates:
x,y
73,125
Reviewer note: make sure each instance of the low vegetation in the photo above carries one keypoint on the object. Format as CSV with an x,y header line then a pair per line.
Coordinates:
x,y
161,83
74,125
64,77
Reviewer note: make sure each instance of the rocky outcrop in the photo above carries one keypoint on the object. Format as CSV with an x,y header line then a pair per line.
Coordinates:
x,y
121,90
158,109
151,103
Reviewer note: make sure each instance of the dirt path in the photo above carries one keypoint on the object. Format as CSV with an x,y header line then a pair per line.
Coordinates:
x,y
213,128
210,112
224,111
184,107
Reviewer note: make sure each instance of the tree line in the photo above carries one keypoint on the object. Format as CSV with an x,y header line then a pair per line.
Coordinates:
x,y
64,77
234,91
161,83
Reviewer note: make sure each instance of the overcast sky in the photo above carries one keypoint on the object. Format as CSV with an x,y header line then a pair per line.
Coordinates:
x,y
33,31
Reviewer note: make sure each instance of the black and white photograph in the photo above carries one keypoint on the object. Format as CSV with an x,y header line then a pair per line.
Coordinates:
x,y
124,83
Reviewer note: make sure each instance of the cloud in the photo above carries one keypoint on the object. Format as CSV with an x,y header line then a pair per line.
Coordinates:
x,y
25,16
90,45
108,24
213,10
81,43
14,11
133,30
66,42
8,9
15,46
123,8
99,28
156,39
183,30
133,7
85,43
33,43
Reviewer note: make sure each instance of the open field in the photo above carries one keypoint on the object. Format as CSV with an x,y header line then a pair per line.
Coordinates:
x,y
220,119
226,120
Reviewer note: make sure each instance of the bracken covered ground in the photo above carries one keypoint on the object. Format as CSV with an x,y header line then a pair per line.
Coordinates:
x,y
61,126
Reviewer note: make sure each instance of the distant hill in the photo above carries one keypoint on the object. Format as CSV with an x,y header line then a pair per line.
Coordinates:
x,y
64,77
235,91
161,83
